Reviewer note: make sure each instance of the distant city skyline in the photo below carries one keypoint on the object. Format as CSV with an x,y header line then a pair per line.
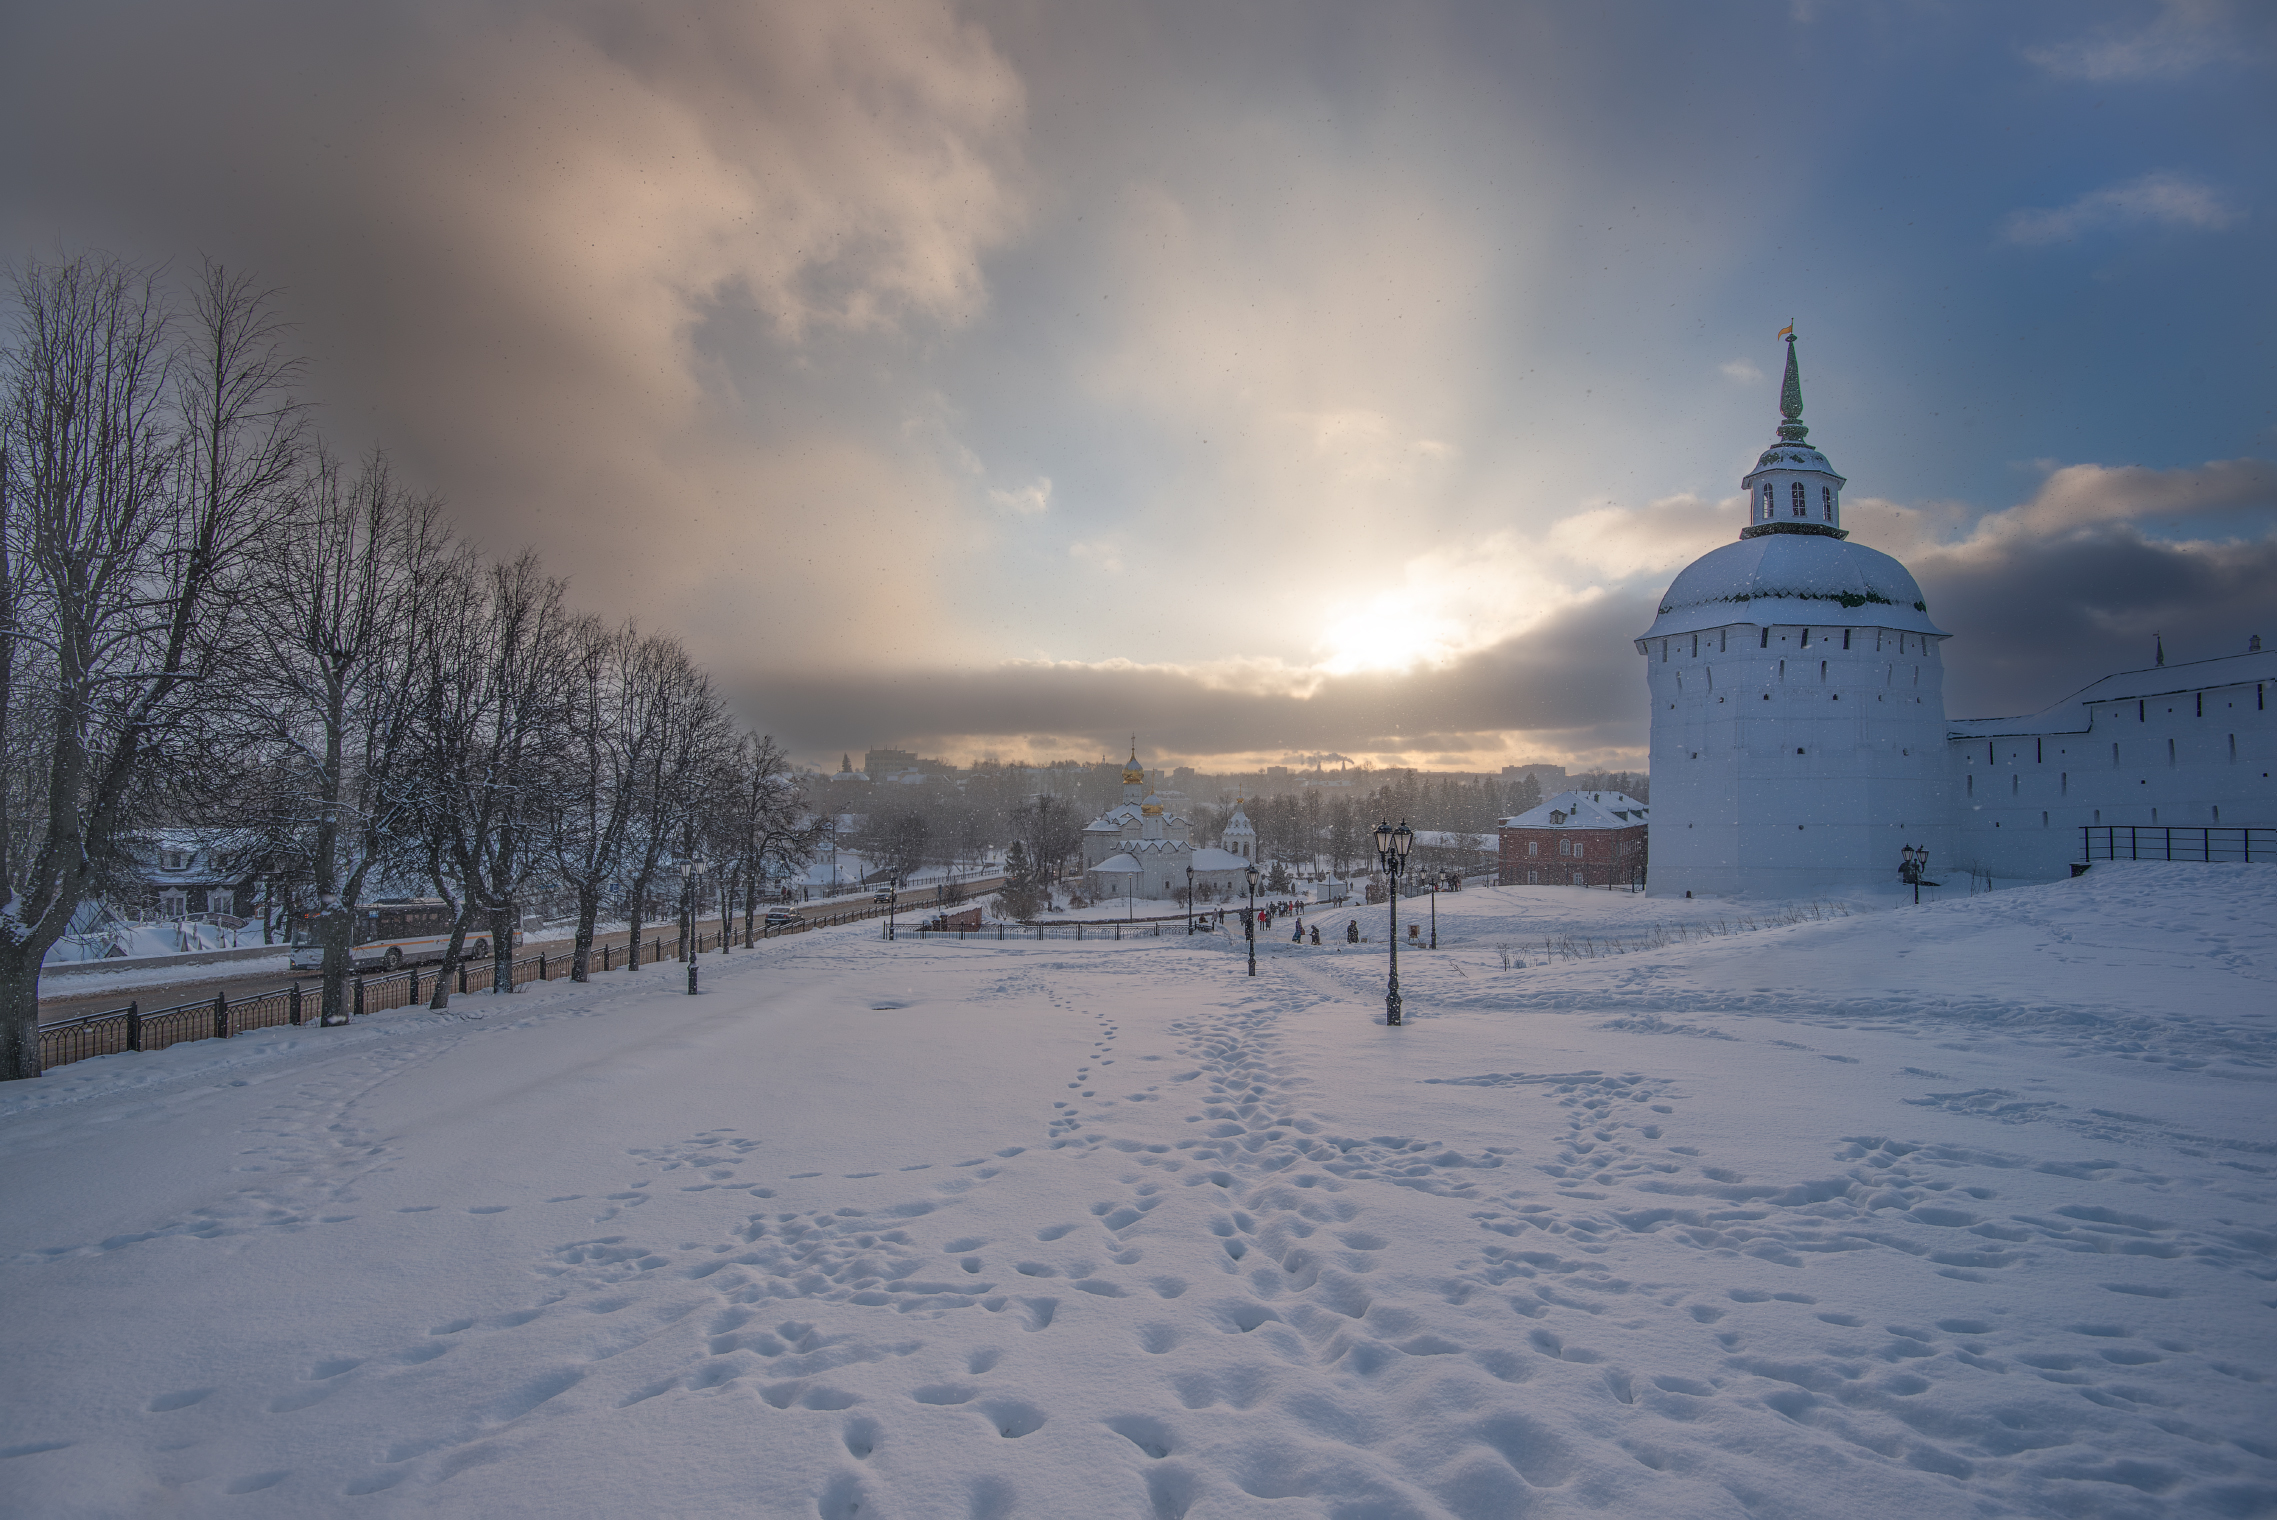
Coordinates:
x,y
998,378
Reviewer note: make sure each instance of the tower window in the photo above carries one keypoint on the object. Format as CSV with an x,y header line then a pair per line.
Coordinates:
x,y
1822,670
1766,638
1796,496
1826,499
1695,646
1769,501
1846,638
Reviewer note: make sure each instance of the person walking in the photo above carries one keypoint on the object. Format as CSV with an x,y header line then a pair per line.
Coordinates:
x,y
1352,931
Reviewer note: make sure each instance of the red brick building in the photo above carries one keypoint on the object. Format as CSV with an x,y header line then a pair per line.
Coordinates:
x,y
1576,839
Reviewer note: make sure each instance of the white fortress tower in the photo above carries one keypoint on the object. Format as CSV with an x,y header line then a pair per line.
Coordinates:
x,y
1798,709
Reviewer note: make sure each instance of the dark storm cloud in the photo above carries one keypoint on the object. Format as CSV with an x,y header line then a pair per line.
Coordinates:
x,y
2035,621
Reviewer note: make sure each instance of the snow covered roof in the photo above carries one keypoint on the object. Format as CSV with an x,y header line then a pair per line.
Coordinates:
x,y
1583,810
1122,865
2070,716
1791,456
1793,578
1212,858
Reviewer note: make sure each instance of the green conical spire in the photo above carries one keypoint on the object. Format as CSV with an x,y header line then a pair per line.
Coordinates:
x,y
1791,399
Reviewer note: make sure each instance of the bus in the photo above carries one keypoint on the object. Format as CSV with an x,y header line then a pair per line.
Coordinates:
x,y
402,932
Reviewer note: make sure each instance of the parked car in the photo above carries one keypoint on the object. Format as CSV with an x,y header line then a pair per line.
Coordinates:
x,y
783,918
882,894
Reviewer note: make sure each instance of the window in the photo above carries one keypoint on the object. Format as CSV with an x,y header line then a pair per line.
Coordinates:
x,y
1533,847
2233,749
1577,880
2114,754
1826,500
1533,878
174,904
1769,501
1972,786
1822,670
1846,638
2015,784
2063,783
1806,638
221,900
173,860
1795,496
1767,638
1695,646
2170,752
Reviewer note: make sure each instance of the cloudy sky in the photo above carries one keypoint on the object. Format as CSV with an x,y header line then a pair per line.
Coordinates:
x,y
1266,377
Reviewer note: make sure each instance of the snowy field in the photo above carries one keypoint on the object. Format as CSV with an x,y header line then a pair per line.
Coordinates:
x,y
1963,1210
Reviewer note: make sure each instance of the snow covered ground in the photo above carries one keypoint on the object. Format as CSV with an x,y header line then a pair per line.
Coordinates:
x,y
1963,1210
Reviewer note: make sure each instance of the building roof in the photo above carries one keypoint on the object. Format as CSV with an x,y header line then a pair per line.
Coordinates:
x,y
1793,578
2070,716
1583,810
1211,858
1121,865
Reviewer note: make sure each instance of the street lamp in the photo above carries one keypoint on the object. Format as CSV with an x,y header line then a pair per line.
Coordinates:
x,y
1189,901
1913,870
1249,924
892,901
1392,846
691,871
691,874
1434,910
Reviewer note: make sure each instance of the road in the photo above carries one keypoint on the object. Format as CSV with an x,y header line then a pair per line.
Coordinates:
x,y
201,983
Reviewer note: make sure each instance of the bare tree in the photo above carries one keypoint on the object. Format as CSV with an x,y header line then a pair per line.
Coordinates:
x,y
130,487
337,616
613,721
693,731
762,822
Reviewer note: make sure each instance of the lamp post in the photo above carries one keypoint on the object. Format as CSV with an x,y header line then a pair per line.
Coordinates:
x,y
892,901
1392,846
1434,910
1913,869
1189,902
691,871
691,874
1249,924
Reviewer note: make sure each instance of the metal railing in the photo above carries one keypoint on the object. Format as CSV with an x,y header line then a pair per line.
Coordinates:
x,y
118,1030
2210,844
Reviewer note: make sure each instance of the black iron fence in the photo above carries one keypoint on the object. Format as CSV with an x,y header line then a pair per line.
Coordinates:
x,y
2213,843
118,1030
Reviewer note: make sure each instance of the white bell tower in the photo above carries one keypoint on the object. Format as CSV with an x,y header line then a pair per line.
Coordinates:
x,y
1798,708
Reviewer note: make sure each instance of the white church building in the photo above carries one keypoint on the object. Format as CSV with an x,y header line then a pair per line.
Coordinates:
x,y
1139,849
1799,737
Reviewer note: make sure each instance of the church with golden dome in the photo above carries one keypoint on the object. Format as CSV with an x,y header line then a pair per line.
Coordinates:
x,y
1139,849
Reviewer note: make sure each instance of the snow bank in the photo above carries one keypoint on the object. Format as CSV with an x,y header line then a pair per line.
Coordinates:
x,y
1963,1210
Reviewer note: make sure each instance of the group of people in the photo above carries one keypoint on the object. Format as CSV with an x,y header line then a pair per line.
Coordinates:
x,y
1266,915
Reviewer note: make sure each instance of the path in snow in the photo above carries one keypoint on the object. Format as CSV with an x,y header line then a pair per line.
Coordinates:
x,y
1957,1212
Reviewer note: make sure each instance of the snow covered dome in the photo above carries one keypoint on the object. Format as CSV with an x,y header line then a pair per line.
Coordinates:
x,y
1793,563
1780,578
